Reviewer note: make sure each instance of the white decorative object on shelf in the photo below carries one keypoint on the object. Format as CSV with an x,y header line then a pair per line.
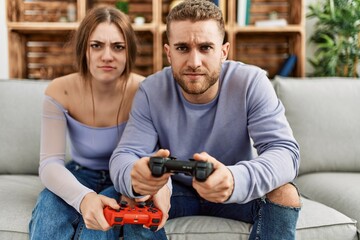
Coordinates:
x,y
272,23
71,12
139,20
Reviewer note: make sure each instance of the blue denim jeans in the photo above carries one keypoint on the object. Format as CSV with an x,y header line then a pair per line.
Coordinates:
x,y
270,221
53,218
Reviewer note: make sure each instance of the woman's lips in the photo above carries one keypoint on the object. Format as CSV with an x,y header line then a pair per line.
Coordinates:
x,y
107,68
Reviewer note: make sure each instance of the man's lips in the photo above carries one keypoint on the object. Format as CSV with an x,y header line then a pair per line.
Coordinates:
x,y
193,75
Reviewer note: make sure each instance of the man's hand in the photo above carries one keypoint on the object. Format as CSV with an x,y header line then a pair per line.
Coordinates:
x,y
92,210
143,182
219,185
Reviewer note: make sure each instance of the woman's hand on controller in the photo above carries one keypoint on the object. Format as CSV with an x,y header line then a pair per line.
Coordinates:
x,y
161,200
91,208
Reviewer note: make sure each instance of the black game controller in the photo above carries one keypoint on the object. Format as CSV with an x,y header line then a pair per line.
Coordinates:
x,y
198,169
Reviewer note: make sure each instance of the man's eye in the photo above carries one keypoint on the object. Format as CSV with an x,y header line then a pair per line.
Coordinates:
x,y
205,48
182,49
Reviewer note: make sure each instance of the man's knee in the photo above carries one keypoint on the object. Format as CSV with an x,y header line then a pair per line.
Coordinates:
x,y
286,195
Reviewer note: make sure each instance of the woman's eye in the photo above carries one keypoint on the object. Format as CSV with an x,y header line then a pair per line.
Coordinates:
x,y
95,45
119,47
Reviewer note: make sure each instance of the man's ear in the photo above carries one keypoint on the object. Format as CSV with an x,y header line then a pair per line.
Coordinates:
x,y
167,51
225,51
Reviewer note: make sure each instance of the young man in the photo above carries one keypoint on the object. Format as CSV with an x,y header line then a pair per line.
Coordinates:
x,y
206,108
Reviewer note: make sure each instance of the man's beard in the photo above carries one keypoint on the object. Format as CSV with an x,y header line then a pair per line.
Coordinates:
x,y
200,86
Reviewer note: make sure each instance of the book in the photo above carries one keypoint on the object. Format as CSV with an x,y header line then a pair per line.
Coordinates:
x,y
241,12
288,66
248,7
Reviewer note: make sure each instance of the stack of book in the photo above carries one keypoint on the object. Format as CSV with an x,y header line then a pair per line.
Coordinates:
x,y
243,12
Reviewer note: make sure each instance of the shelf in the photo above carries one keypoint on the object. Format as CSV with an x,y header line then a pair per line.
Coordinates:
x,y
285,29
145,27
30,22
42,26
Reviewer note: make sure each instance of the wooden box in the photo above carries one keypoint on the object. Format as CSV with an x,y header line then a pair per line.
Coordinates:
x,y
41,55
268,51
42,11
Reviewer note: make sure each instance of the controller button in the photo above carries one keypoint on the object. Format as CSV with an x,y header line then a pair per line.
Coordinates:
x,y
141,204
123,203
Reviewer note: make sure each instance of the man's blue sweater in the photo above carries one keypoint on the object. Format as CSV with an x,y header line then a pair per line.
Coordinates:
x,y
246,109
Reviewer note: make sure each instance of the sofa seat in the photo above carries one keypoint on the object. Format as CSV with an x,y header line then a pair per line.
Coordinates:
x,y
18,194
323,115
338,190
316,221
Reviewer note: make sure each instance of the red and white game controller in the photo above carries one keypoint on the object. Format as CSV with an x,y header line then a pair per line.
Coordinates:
x,y
142,213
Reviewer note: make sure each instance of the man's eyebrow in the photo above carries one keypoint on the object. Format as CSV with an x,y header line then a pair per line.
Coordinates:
x,y
207,43
180,44
199,44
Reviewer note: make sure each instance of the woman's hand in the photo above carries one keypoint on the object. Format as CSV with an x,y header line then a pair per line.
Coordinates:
x,y
162,201
92,210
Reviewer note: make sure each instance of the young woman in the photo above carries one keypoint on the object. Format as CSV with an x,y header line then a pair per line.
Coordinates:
x,y
92,106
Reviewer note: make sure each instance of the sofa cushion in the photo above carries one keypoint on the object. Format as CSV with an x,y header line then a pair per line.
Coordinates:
x,y
324,116
338,190
18,197
316,221
21,104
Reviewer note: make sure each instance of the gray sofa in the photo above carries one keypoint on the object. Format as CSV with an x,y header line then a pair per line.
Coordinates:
x,y
324,115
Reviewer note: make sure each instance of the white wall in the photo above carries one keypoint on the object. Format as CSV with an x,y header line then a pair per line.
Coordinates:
x,y
4,60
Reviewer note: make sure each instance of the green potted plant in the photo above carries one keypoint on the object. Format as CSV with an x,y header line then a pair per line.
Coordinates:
x,y
336,37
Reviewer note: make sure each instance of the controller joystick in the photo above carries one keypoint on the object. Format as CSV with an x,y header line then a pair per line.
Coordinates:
x,y
123,203
141,204
200,170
